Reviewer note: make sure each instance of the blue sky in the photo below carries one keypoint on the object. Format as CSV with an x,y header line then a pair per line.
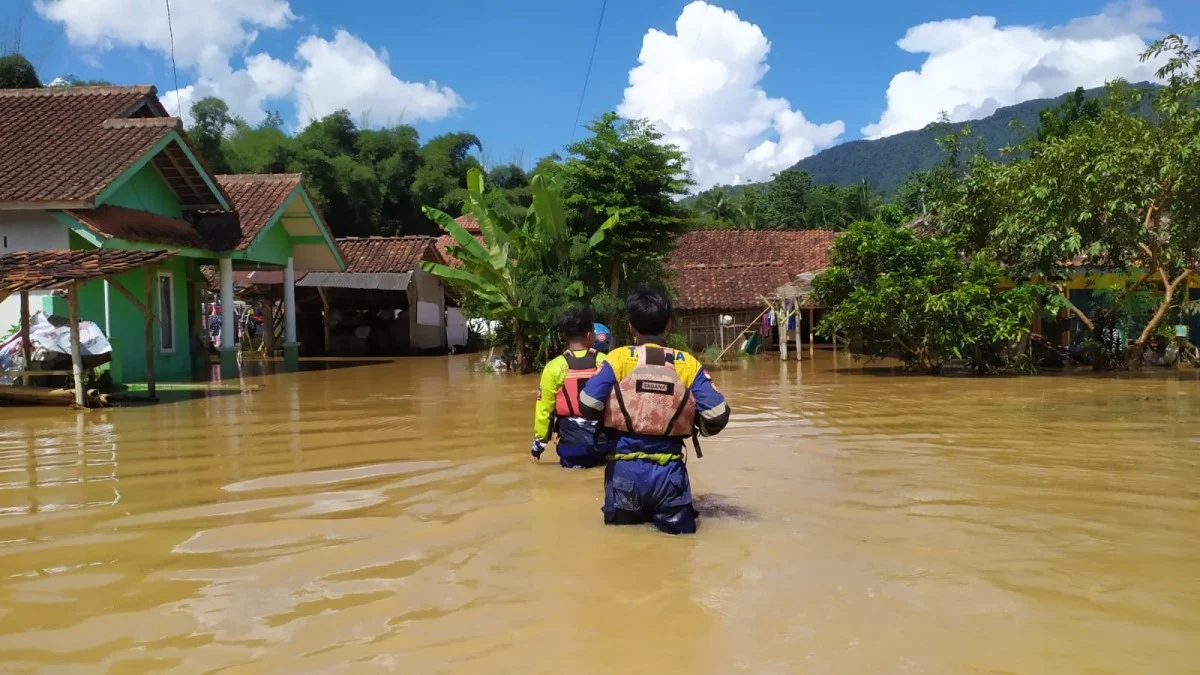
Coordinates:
x,y
512,72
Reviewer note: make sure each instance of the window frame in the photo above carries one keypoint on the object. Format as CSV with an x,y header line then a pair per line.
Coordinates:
x,y
166,323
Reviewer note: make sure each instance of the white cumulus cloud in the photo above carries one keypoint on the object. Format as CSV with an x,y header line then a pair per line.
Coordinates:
x,y
321,76
702,88
346,73
214,25
975,66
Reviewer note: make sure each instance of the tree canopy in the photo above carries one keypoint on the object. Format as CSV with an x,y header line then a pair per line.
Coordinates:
x,y
16,72
624,167
366,181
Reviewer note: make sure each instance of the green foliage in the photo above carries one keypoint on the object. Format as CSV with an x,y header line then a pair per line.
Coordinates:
x,y
1107,185
211,119
1058,121
915,298
524,274
789,201
365,181
624,167
16,72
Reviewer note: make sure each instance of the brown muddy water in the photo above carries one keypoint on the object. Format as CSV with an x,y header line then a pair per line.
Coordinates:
x,y
383,518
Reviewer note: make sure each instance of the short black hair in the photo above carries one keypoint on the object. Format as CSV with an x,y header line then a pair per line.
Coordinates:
x,y
576,323
649,311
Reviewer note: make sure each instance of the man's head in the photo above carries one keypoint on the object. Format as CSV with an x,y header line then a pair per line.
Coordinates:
x,y
649,312
576,327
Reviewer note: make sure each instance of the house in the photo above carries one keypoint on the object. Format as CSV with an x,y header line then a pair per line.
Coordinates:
x,y
731,272
383,277
446,242
382,304
86,170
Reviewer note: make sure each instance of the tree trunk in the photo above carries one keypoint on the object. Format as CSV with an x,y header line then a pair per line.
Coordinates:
x,y
1163,307
614,279
519,357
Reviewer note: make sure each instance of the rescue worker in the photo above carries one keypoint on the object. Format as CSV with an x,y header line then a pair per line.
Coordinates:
x,y
652,398
557,411
604,338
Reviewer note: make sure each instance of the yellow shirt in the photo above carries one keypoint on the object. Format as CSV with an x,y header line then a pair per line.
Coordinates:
x,y
553,376
624,359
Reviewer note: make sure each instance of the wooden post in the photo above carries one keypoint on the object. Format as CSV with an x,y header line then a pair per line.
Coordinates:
x,y
799,329
26,343
744,331
781,324
149,316
76,355
811,325
325,316
269,324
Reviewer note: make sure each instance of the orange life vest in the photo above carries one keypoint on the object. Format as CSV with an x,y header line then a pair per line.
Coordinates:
x,y
652,400
579,370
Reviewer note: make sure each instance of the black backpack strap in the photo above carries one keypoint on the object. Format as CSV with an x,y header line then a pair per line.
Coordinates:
x,y
687,396
585,362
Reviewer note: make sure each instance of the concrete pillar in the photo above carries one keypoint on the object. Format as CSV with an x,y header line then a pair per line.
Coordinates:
x,y
291,348
228,350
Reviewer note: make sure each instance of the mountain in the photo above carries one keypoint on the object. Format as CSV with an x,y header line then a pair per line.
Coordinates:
x,y
886,162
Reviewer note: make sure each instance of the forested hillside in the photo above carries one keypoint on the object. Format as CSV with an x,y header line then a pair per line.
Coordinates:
x,y
886,162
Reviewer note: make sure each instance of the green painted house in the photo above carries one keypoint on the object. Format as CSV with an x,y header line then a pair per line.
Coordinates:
x,y
101,168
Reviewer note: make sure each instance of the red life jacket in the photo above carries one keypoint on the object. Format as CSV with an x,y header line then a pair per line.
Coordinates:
x,y
579,370
652,400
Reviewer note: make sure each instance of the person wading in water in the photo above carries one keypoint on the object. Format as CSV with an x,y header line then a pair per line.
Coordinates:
x,y
557,410
652,398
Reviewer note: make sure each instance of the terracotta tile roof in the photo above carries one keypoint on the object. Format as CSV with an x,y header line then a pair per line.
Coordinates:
x,y
798,250
142,226
468,222
47,270
256,197
727,286
387,254
731,269
445,242
64,145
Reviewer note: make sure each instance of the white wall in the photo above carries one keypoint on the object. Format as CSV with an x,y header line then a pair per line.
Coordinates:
x,y
31,231
28,231
10,309
425,287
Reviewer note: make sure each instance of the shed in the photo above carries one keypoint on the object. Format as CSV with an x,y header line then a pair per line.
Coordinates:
x,y
382,304
720,273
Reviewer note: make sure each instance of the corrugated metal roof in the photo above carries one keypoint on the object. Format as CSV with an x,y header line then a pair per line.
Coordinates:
x,y
368,281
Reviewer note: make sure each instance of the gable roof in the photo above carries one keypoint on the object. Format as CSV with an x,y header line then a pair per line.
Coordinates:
x,y
387,254
727,286
734,269
141,226
61,147
256,198
445,242
47,270
798,250
468,222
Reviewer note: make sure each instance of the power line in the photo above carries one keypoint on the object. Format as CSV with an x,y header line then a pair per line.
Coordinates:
x,y
587,76
174,72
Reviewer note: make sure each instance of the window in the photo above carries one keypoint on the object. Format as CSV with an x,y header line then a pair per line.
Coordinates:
x,y
166,312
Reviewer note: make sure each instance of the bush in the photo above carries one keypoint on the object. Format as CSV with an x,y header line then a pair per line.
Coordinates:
x,y
918,300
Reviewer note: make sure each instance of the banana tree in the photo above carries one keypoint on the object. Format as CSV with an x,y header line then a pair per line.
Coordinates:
x,y
494,270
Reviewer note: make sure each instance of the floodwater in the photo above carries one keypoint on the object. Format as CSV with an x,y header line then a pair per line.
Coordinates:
x,y
382,517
